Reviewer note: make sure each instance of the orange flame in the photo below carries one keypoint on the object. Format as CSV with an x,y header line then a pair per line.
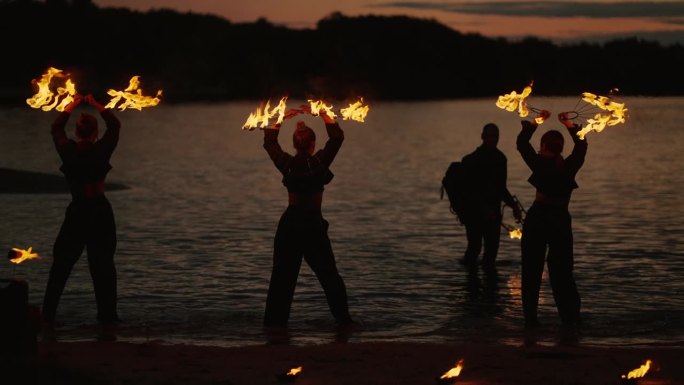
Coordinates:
x,y
515,233
45,98
616,113
318,106
294,371
542,116
260,118
356,111
639,372
515,101
132,96
453,372
23,255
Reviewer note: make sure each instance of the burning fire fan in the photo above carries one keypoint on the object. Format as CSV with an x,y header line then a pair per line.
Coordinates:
x,y
513,231
45,98
261,118
514,101
599,112
48,98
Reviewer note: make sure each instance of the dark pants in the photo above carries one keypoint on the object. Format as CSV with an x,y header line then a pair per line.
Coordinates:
x,y
483,226
548,226
87,224
303,233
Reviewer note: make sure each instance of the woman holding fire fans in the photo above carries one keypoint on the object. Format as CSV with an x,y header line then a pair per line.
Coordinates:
x,y
302,231
548,222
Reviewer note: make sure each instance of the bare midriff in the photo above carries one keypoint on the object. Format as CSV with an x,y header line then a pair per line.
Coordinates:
x,y
560,201
91,190
306,201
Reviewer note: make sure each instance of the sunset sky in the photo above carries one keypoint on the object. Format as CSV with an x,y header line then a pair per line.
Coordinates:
x,y
558,20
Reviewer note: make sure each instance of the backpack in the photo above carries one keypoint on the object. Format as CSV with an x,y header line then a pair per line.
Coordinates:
x,y
454,185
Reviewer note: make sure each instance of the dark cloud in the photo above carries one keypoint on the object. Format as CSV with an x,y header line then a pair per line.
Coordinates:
x,y
666,10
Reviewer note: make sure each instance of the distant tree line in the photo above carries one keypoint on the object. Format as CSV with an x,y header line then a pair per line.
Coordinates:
x,y
204,57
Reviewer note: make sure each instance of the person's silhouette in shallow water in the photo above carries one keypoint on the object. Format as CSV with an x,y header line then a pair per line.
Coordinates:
x,y
89,220
548,222
485,173
302,230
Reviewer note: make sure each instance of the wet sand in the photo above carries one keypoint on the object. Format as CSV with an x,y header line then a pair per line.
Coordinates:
x,y
343,363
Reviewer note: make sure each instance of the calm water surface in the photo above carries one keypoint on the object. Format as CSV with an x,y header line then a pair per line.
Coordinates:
x,y
196,228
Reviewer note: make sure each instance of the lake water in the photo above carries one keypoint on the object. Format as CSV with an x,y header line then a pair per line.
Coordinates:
x,y
196,228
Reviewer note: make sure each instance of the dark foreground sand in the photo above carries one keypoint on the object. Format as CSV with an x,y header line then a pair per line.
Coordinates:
x,y
95,363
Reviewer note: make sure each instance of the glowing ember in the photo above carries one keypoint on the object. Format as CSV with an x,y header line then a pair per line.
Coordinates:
x,y
260,117
132,96
45,98
318,106
23,255
356,111
639,372
453,372
515,234
515,101
616,113
294,371
542,116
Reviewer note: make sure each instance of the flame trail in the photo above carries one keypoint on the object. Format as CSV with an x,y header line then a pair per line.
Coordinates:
x,y
453,372
132,96
23,255
45,98
260,117
616,113
356,111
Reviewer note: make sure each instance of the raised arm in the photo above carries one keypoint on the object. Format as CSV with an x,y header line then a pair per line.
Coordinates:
x,y
59,137
335,139
111,137
575,160
523,142
279,157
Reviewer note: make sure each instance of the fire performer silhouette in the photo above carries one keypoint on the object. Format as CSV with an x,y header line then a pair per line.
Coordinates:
x,y
89,220
548,222
302,231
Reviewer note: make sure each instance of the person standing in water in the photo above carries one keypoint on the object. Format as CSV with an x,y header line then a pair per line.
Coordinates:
x,y
302,231
89,219
548,222
485,188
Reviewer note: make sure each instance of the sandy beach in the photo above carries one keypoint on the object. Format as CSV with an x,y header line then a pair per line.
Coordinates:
x,y
343,363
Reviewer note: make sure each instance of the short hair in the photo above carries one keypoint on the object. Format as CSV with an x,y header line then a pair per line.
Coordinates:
x,y
490,128
86,126
303,137
553,140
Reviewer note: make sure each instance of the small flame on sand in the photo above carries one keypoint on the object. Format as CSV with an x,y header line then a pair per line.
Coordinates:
x,y
23,255
515,233
639,372
45,98
356,111
515,101
260,117
616,113
132,96
453,372
318,106
294,371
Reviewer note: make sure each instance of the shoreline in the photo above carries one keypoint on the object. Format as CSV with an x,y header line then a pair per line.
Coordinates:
x,y
344,363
